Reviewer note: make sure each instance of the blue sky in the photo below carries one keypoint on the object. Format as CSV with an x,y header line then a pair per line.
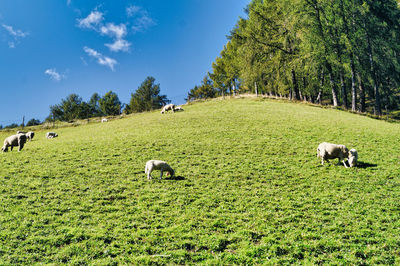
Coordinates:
x,y
52,48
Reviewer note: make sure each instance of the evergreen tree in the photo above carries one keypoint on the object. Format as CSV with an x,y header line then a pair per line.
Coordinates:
x,y
147,97
110,104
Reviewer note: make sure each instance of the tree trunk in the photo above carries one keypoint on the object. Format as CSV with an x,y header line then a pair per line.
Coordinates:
x,y
353,85
333,87
321,84
344,91
295,85
362,93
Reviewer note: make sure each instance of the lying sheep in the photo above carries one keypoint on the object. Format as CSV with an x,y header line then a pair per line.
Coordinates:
x,y
158,165
51,135
29,135
168,107
104,120
353,157
327,151
14,140
178,109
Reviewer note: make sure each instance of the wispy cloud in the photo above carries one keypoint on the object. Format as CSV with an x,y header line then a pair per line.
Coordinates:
x,y
15,34
68,2
101,59
54,75
118,32
142,22
131,10
112,30
119,45
91,21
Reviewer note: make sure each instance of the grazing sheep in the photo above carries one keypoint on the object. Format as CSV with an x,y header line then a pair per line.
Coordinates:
x,y
353,157
327,151
168,107
158,165
29,134
14,140
51,135
178,109
104,120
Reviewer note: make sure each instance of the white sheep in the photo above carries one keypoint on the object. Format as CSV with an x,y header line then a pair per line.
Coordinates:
x,y
158,165
51,135
327,151
14,140
168,107
104,120
178,109
353,157
29,134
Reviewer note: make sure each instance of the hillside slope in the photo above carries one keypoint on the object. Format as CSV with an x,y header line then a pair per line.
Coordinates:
x,y
249,189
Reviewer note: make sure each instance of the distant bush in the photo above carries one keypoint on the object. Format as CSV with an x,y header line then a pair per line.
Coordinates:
x,y
33,122
13,125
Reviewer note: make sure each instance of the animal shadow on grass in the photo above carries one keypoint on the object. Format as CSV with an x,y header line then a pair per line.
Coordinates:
x,y
175,178
365,165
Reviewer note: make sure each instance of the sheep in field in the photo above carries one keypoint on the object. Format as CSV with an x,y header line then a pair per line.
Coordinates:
x,y
51,135
158,165
353,157
327,151
168,107
14,140
29,134
104,120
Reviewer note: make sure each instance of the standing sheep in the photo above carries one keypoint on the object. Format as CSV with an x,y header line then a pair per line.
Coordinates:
x,y
168,107
327,151
158,165
14,140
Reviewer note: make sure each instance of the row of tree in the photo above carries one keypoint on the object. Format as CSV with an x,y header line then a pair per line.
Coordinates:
x,y
343,52
147,97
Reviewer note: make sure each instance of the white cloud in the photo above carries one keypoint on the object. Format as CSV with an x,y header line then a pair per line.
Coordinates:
x,y
54,75
132,10
119,45
15,33
93,19
112,30
101,59
143,22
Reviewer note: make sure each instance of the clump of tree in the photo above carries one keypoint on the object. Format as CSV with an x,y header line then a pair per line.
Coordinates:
x,y
73,107
204,91
147,97
13,125
342,52
33,122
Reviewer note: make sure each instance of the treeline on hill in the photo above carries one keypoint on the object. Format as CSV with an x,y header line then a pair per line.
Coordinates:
x,y
342,52
147,97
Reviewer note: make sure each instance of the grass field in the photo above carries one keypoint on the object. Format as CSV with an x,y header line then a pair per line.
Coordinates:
x,y
249,189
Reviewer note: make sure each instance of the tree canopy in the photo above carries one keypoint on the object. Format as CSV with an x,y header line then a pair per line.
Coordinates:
x,y
147,97
343,52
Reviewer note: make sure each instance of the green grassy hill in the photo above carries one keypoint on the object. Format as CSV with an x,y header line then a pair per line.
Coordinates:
x,y
249,189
